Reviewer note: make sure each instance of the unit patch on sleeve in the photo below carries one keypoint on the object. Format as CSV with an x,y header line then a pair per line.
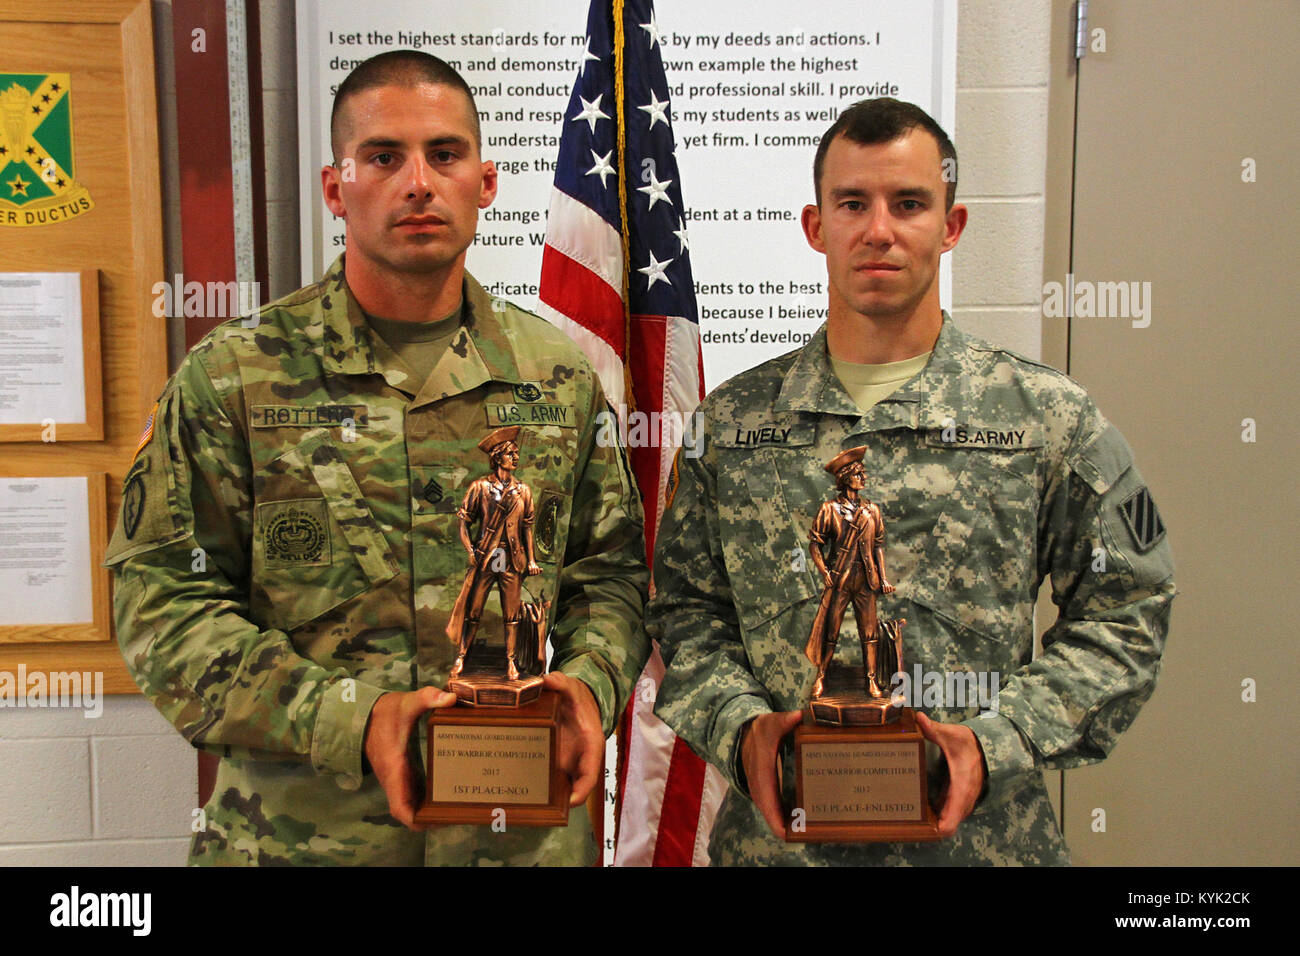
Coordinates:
x,y
1143,519
132,504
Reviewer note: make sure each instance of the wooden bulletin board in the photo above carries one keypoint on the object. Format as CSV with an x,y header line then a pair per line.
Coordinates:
x,y
106,219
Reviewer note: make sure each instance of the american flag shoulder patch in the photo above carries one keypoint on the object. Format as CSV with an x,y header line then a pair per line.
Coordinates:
x,y
1143,519
147,433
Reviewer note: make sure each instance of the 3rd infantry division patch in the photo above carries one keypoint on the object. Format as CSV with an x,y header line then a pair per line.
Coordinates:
x,y
1143,519
37,187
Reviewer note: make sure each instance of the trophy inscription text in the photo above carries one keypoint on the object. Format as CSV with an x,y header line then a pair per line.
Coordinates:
x,y
481,764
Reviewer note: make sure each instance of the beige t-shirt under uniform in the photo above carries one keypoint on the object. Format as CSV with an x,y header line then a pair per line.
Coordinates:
x,y
418,344
868,384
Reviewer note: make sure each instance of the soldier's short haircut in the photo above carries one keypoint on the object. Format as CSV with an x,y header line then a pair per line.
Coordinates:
x,y
399,68
883,120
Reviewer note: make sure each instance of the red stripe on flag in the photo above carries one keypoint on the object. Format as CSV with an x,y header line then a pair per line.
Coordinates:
x,y
649,338
572,289
681,808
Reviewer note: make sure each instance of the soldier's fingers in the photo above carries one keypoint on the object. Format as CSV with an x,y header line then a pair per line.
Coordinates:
x,y
768,800
400,803
958,803
588,769
764,787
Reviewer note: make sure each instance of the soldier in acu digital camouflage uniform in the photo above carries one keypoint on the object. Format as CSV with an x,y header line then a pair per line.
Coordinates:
x,y
286,572
993,472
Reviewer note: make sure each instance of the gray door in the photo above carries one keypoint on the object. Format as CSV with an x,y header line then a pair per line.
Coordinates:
x,y
1188,103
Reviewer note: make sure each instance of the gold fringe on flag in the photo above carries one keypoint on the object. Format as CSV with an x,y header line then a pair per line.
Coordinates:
x,y
620,94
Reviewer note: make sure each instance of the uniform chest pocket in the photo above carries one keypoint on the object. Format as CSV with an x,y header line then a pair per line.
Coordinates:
x,y
764,544
978,567
315,542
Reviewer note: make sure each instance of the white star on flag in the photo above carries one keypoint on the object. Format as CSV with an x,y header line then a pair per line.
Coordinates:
x,y
656,109
587,58
655,271
681,237
652,28
591,112
602,167
656,190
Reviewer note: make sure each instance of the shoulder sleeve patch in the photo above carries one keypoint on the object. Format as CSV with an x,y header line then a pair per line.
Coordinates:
x,y
1142,519
147,433
674,479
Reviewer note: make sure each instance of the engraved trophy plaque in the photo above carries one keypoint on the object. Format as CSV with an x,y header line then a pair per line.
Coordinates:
x,y
859,757
493,757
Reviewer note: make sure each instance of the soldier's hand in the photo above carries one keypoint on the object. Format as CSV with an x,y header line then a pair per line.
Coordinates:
x,y
758,752
887,588
961,749
534,567
826,578
582,743
388,746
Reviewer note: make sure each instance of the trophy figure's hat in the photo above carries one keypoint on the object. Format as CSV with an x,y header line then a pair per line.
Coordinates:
x,y
499,437
847,457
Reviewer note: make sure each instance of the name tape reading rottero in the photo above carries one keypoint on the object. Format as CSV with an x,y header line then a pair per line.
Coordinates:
x,y
308,416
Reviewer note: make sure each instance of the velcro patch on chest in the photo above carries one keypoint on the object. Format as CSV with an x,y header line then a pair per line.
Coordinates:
x,y
309,416
294,534
516,413
761,435
952,435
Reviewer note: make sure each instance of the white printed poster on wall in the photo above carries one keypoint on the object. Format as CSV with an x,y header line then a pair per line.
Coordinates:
x,y
753,84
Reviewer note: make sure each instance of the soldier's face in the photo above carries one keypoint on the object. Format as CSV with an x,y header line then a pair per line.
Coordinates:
x,y
881,223
409,180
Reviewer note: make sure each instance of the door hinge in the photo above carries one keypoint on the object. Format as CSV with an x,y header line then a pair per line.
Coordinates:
x,y
1080,29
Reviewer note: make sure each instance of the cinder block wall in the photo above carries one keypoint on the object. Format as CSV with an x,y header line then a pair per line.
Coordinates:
x,y
1001,139
121,789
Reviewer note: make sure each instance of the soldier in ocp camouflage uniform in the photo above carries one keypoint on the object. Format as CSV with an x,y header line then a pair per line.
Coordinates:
x,y
993,472
290,549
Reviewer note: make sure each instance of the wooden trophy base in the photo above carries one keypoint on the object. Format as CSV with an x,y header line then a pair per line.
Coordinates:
x,y
496,766
861,784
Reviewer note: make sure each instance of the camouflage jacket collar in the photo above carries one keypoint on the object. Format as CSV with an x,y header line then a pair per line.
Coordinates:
x,y
482,352
935,394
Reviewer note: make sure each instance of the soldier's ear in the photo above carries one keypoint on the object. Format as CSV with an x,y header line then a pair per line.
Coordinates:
x,y
332,189
812,227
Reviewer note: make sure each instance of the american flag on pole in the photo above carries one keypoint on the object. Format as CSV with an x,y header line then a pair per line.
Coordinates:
x,y
616,275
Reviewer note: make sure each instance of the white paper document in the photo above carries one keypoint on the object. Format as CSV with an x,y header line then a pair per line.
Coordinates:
x,y
42,366
45,560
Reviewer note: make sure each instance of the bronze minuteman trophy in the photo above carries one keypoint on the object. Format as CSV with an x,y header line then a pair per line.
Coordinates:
x,y
492,759
859,757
